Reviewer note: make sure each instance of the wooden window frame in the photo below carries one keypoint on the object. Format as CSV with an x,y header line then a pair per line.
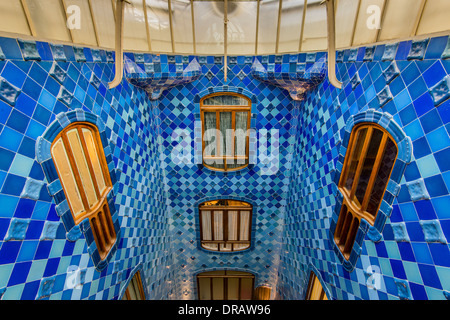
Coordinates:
x,y
225,210
245,275
352,212
140,288
98,214
221,109
313,280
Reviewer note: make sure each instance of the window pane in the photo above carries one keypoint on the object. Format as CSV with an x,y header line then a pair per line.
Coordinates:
x,y
208,28
204,288
368,164
210,135
435,17
182,26
218,225
206,225
82,166
94,159
315,32
233,289
387,162
241,27
246,288
267,30
159,25
225,129
217,288
86,33
290,27
354,161
245,225
225,100
67,178
232,225
49,19
13,18
240,146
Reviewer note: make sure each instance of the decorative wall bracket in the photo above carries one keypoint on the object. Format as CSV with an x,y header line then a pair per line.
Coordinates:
x,y
155,77
305,77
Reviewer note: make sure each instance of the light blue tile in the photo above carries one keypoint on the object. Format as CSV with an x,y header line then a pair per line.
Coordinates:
x,y
21,165
427,166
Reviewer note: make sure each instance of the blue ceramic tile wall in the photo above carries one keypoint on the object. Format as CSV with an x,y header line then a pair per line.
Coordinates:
x,y
36,259
412,260
157,197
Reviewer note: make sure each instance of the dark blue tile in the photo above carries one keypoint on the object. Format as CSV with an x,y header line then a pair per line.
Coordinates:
x,y
425,210
418,291
434,74
429,276
421,148
13,185
19,273
30,290
408,115
24,208
436,47
9,252
6,158
436,186
18,121
10,48
397,268
423,104
431,121
406,251
412,172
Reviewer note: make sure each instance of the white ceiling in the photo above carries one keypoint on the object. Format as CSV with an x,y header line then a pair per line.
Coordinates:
x,y
197,26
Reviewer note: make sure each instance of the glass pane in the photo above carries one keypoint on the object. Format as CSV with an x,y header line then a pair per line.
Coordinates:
x,y
245,226
49,19
363,34
136,288
206,225
354,161
240,143
217,288
13,18
182,26
315,33
67,178
368,164
291,24
241,26
103,13
132,291
134,33
210,137
94,159
233,289
246,288
218,225
400,19
82,166
267,31
387,162
225,100
226,131
85,34
209,27
159,25
232,225
345,18
435,17
204,288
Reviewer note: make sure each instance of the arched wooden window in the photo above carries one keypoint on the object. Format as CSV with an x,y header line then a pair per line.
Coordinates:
x,y
82,169
225,225
225,121
135,290
315,290
225,285
371,155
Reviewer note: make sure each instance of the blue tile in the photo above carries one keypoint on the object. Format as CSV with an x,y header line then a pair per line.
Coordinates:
x,y
18,121
429,276
434,74
431,121
421,148
19,273
438,139
10,48
436,186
